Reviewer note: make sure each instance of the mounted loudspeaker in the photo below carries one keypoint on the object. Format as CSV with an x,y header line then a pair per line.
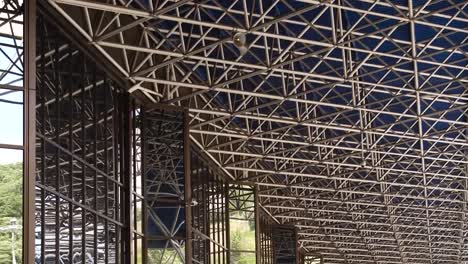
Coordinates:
x,y
239,40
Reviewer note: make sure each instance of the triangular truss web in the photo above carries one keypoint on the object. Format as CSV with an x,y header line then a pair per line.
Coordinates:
x,y
11,44
350,116
11,72
163,159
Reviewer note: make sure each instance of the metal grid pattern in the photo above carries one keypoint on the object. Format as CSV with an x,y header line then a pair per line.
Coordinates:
x,y
311,260
265,243
209,205
350,116
11,77
278,243
11,46
284,239
137,186
11,100
80,194
164,185
242,212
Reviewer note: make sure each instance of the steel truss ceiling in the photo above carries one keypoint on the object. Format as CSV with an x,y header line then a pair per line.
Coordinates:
x,y
351,116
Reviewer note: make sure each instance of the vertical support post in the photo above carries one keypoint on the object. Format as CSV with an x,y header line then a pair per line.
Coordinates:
x,y
228,228
257,226
29,153
188,190
127,183
144,204
298,255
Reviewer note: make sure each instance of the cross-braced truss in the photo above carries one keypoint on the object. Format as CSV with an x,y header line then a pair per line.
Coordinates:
x,y
80,180
11,47
210,212
350,116
163,173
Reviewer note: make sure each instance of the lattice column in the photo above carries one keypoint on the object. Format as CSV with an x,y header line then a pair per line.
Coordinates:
x,y
80,116
164,184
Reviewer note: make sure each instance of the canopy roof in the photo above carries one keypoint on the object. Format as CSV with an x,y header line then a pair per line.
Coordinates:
x,y
350,116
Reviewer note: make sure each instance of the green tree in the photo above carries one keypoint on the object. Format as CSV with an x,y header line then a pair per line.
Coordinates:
x,y
11,189
11,203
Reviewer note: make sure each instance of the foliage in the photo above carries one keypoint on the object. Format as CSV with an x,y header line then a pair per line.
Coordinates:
x,y
242,238
167,255
11,188
11,203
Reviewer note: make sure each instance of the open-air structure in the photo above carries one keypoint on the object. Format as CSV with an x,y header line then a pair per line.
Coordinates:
x,y
259,131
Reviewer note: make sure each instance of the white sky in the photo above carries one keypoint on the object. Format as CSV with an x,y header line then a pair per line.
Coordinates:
x,y
11,127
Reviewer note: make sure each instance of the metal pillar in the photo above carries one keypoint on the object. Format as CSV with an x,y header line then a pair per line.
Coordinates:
x,y
29,151
188,191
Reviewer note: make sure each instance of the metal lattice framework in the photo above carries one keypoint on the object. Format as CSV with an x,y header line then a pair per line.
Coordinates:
x,y
80,196
284,244
349,116
242,212
11,46
210,212
164,185
11,86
